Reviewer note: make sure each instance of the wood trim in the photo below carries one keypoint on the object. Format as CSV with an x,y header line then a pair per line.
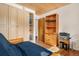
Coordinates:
x,y
57,25
16,40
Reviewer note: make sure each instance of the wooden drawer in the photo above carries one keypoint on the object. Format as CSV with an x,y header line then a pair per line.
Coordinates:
x,y
50,37
51,40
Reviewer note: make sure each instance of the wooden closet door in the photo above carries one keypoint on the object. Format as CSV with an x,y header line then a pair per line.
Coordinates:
x,y
12,22
4,20
41,29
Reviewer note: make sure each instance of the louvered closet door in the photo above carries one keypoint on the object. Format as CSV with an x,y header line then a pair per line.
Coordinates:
x,y
26,26
4,20
20,24
12,22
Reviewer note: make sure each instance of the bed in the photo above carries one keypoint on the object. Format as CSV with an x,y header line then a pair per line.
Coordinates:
x,y
21,49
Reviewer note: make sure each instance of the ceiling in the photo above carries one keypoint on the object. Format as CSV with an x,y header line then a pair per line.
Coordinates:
x,y
42,8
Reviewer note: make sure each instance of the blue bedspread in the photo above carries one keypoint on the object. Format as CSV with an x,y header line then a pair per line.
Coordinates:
x,y
21,49
31,49
7,49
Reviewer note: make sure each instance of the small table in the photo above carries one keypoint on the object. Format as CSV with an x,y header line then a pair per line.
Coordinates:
x,y
65,44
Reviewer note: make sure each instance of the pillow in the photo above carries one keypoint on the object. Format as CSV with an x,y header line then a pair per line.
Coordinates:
x,y
7,49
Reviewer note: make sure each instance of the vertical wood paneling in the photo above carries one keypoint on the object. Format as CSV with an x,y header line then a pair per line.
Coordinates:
x,y
26,26
4,20
12,22
20,27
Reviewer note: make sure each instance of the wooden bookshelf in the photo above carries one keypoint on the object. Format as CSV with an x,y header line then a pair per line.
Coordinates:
x,y
51,30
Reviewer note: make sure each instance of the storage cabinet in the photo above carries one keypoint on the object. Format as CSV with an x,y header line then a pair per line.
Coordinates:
x,y
18,23
14,22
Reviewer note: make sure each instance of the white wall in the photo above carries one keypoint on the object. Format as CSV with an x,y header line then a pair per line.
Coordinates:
x,y
36,26
68,18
